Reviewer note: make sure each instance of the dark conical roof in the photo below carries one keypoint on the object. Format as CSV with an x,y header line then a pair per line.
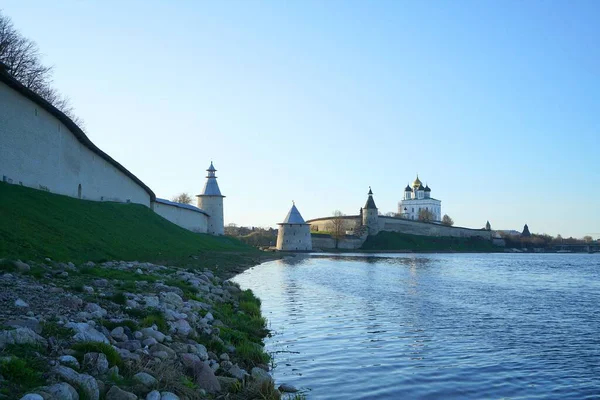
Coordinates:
x,y
407,189
370,204
293,216
427,188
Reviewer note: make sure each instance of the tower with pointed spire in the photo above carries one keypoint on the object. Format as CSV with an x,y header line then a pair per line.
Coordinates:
x,y
294,233
211,201
370,216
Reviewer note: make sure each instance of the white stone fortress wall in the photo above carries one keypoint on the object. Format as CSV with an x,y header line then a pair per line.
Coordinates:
x,y
391,224
38,149
42,148
184,215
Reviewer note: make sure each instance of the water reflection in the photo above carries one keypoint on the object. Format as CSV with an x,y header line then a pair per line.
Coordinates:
x,y
433,326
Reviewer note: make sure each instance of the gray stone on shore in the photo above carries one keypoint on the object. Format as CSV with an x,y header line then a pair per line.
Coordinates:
x,y
86,333
21,266
69,361
20,303
260,375
285,388
151,333
84,382
59,391
32,396
153,395
95,310
95,363
20,336
205,378
145,379
237,372
30,323
116,393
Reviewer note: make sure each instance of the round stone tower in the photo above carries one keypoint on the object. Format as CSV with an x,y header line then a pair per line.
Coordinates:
x,y
211,201
294,233
370,218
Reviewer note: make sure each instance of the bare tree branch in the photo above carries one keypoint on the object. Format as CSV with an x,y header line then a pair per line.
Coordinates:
x,y
23,61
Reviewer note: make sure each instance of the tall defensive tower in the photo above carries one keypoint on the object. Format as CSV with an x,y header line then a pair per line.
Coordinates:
x,y
211,201
294,233
370,218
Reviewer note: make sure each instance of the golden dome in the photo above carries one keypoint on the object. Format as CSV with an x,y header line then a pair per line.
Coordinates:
x,y
417,182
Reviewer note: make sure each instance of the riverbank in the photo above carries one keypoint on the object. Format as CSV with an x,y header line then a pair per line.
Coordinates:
x,y
129,330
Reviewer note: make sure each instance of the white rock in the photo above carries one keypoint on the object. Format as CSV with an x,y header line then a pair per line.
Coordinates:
x,y
61,391
149,332
69,361
153,395
85,332
181,327
145,379
83,381
152,301
95,310
21,303
260,375
32,396
20,336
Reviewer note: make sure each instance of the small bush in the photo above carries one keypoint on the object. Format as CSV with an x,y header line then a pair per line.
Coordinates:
x,y
7,266
137,312
252,352
155,318
126,322
188,383
119,298
250,308
111,354
19,371
52,328
77,287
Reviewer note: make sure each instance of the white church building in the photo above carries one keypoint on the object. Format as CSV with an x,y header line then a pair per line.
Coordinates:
x,y
417,198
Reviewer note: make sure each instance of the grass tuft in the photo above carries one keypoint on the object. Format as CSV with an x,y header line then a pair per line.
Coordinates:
x,y
156,317
111,354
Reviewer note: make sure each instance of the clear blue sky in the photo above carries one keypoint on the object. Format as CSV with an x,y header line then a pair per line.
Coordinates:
x,y
496,104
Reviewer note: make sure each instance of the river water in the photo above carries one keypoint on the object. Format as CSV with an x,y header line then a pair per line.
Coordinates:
x,y
434,326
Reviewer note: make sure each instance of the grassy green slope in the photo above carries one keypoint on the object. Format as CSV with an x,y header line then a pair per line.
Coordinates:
x,y
35,224
402,241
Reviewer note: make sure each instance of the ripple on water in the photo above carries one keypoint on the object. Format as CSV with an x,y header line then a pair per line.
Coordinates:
x,y
461,326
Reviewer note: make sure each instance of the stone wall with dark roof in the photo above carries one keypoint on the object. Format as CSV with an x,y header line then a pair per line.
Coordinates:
x,y
17,116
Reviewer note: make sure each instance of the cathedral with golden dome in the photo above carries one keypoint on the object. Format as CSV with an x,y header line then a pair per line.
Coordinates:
x,y
417,199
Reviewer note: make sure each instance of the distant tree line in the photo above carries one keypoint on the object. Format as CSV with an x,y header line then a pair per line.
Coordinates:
x,y
23,61
534,240
253,236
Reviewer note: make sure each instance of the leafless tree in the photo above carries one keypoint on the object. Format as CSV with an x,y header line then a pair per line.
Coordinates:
x,y
23,61
337,227
446,220
588,239
425,215
183,198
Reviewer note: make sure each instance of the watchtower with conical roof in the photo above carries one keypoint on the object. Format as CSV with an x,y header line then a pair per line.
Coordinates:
x,y
370,217
211,201
294,233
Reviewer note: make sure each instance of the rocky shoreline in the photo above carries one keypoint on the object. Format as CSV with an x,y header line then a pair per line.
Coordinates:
x,y
129,330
